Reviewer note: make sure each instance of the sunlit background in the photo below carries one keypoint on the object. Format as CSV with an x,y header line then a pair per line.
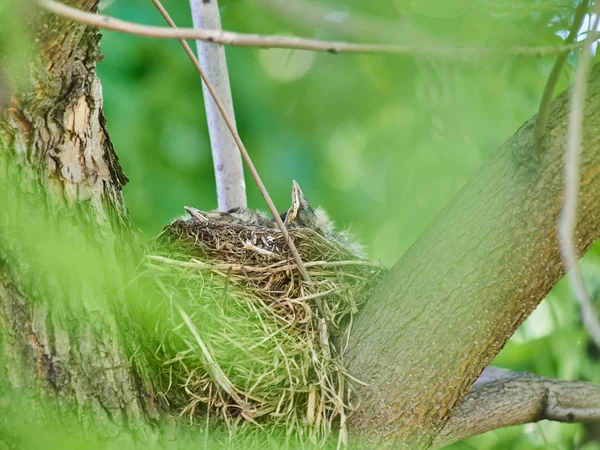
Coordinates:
x,y
382,142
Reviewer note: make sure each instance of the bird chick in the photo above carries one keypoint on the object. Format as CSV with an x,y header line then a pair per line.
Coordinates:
x,y
302,215
299,215
252,217
235,216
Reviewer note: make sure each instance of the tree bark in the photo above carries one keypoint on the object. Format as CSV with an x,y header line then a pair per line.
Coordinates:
x,y
54,147
452,301
501,398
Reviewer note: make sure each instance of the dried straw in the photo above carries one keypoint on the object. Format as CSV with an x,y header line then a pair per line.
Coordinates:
x,y
234,332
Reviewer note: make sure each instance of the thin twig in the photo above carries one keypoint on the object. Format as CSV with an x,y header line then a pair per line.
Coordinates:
x,y
544,110
227,162
264,41
568,218
238,141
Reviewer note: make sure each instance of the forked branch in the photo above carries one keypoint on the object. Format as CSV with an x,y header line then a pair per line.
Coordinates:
x,y
544,109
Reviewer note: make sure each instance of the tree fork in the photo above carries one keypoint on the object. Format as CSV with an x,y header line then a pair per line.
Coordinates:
x,y
458,294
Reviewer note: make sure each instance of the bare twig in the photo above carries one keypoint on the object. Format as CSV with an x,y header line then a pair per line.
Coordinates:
x,y
568,218
229,171
544,110
263,41
243,151
501,398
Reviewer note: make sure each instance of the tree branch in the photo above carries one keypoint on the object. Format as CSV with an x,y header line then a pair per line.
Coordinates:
x,y
544,109
241,147
568,218
229,172
496,256
501,398
263,41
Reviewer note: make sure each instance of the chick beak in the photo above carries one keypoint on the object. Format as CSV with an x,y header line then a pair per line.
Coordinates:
x,y
298,203
195,214
297,197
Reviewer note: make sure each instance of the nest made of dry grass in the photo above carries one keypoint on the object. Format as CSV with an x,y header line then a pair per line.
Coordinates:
x,y
236,332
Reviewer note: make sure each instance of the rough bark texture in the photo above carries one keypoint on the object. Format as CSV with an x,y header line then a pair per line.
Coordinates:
x,y
53,133
453,300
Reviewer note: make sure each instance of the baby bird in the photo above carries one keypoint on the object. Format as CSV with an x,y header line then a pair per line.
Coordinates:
x,y
299,215
236,216
302,215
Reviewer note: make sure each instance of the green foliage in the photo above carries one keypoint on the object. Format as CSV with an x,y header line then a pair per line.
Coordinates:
x,y
14,43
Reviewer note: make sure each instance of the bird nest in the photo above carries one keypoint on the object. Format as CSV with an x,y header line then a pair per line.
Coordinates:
x,y
236,333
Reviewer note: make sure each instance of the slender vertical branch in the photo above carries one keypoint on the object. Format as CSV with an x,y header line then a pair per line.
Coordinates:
x,y
238,141
568,218
544,110
229,172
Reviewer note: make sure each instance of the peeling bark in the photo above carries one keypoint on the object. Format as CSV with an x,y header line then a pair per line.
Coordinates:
x,y
57,128
53,133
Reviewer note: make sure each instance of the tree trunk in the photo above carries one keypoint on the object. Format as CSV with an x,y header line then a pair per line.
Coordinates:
x,y
54,148
458,294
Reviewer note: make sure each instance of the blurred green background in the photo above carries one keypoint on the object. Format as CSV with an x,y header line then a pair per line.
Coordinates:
x,y
382,142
